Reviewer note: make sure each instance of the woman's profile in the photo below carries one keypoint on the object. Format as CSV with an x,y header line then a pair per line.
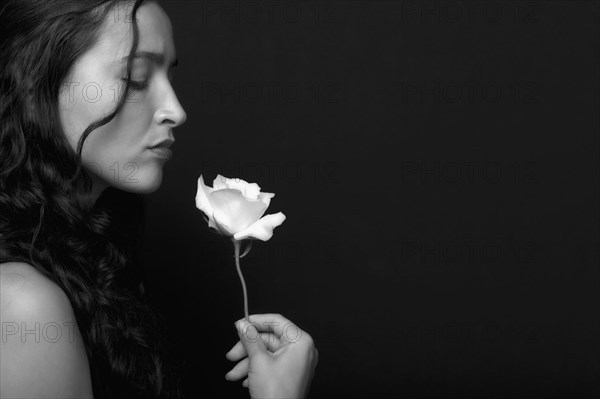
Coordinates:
x,y
85,91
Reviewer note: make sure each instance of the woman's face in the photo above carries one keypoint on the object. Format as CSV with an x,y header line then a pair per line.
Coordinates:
x,y
118,154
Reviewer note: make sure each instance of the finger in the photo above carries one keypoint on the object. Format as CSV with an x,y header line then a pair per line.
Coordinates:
x,y
245,383
283,328
238,351
250,338
239,371
272,342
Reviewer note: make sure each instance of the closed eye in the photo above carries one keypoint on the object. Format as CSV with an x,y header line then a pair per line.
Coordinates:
x,y
137,85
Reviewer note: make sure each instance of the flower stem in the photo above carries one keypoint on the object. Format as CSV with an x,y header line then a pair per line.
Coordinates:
x,y
236,245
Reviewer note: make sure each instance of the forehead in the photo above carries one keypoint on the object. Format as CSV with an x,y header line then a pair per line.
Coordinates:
x,y
155,32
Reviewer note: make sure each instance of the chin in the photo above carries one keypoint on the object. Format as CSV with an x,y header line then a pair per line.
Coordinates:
x,y
146,184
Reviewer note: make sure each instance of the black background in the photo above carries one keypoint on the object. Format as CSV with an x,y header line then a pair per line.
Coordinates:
x,y
437,162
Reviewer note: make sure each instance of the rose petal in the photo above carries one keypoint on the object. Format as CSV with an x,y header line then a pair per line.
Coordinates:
x,y
249,190
219,182
203,202
221,221
265,198
263,228
234,210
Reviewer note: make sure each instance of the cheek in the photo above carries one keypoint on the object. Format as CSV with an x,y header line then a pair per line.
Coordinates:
x,y
117,148
81,104
122,143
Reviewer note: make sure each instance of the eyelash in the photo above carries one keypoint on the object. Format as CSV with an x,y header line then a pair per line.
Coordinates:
x,y
137,85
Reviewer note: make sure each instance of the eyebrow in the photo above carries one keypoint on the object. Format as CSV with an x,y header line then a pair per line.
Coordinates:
x,y
157,58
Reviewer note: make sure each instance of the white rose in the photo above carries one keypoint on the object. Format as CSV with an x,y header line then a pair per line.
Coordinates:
x,y
236,207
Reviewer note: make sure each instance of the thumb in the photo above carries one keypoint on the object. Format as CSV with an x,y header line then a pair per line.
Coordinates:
x,y
250,338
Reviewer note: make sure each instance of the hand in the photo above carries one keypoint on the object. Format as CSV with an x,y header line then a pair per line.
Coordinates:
x,y
278,358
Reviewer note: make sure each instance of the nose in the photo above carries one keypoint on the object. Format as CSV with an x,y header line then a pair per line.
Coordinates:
x,y
170,110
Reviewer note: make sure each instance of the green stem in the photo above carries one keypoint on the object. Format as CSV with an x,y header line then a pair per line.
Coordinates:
x,y
236,245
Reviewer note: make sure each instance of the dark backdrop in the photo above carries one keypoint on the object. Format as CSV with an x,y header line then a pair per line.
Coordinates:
x,y
438,165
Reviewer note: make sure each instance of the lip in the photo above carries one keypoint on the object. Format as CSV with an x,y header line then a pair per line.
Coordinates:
x,y
168,142
162,152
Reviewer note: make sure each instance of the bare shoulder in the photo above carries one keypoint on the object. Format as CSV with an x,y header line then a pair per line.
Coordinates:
x,y
43,354
21,281
26,292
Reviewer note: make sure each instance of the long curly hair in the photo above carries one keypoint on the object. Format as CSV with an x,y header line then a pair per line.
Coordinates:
x,y
48,216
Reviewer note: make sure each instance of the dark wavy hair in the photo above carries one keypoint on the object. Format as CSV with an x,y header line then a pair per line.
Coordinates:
x,y
48,216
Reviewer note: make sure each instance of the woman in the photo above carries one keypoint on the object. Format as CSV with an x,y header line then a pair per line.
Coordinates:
x,y
74,323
